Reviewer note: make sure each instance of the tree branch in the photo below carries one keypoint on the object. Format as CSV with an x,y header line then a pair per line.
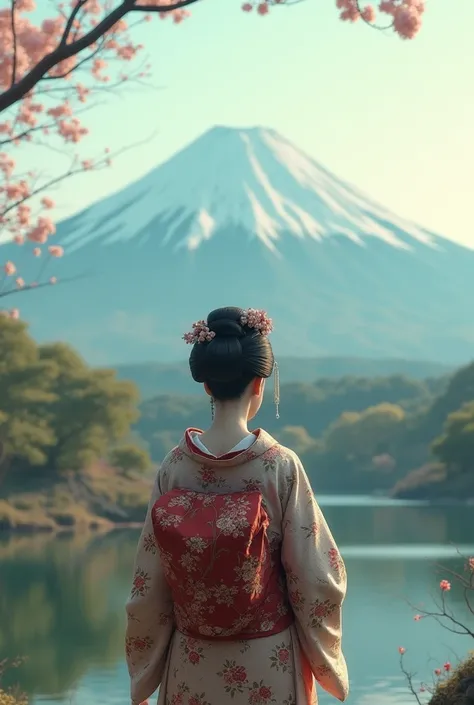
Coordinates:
x,y
374,26
101,163
44,126
409,678
77,66
41,285
66,51
70,22
13,28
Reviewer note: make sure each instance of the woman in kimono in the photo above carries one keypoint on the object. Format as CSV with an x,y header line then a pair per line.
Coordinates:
x,y
238,583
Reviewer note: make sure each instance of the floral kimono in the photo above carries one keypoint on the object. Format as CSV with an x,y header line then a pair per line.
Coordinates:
x,y
238,584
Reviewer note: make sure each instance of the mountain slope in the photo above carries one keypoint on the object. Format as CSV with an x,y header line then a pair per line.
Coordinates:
x,y
241,217
253,179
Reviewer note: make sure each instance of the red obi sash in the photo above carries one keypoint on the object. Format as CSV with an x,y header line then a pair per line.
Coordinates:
x,y
225,580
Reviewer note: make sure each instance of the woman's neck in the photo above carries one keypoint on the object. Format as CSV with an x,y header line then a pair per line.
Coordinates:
x,y
228,428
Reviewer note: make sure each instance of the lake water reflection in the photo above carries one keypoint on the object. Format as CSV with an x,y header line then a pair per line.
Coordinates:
x,y
62,599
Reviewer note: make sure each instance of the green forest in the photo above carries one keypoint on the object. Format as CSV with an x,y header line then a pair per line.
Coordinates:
x,y
66,455
408,437
78,445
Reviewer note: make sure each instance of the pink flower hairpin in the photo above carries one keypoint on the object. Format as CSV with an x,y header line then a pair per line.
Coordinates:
x,y
254,318
199,334
258,319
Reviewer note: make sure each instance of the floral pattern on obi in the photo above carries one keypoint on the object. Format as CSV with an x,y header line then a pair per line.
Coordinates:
x,y
225,579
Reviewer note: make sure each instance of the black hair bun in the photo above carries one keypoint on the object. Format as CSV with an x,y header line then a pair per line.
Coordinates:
x,y
227,328
233,357
226,322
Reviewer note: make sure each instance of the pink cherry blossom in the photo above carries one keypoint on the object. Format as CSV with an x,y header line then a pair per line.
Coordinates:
x,y
55,251
368,14
407,22
401,650
445,585
9,268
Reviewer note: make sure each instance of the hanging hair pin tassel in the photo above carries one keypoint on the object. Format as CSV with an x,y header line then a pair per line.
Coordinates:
x,y
276,389
213,408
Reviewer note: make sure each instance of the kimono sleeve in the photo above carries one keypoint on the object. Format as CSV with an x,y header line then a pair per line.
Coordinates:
x,y
150,619
316,580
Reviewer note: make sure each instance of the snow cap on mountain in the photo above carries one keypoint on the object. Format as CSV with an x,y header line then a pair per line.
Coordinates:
x,y
252,179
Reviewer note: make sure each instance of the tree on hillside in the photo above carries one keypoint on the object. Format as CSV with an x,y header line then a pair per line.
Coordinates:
x,y
297,438
455,447
129,458
460,390
91,409
55,411
364,435
25,388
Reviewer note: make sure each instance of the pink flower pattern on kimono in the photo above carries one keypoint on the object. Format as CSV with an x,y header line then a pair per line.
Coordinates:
x,y
209,478
216,556
192,650
175,455
282,657
149,543
234,677
271,458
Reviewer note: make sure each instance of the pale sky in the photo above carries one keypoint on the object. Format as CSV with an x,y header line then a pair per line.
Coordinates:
x,y
395,118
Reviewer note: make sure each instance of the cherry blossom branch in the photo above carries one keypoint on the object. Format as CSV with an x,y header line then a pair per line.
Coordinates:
x,y
14,38
444,617
40,189
65,51
41,285
70,22
48,126
71,172
80,63
409,677
365,18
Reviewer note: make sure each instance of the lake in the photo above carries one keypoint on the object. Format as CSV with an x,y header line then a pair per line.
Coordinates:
x,y
62,602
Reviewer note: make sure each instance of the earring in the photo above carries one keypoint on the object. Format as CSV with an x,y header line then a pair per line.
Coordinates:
x,y
276,389
213,409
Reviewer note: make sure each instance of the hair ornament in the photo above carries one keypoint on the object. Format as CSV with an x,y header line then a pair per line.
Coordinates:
x,y
258,319
200,333
254,318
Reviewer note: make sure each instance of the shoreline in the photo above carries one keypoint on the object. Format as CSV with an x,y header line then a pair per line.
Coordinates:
x,y
94,528
99,525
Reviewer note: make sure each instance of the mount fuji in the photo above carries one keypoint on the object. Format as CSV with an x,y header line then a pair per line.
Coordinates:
x,y
243,217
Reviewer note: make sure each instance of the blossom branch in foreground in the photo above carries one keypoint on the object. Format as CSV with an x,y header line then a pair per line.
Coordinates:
x,y
41,232
39,52
31,53
444,677
406,15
